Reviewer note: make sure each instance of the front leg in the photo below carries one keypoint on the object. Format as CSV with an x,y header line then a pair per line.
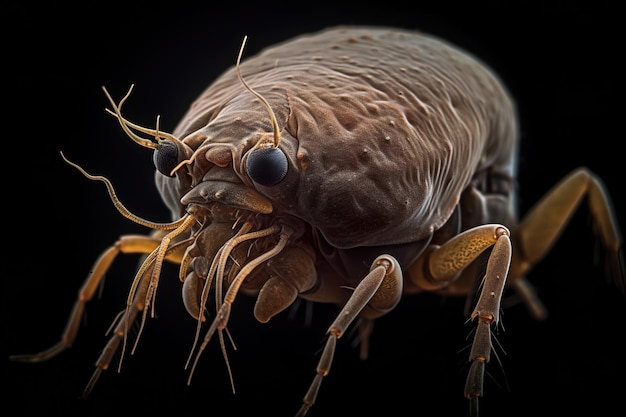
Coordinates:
x,y
128,244
380,290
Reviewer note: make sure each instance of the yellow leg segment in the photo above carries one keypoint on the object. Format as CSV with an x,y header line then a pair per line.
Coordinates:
x,y
126,244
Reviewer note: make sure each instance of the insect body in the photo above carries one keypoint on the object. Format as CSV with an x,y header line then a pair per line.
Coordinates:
x,y
351,166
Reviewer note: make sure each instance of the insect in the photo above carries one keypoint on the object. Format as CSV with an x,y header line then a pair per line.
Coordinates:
x,y
353,167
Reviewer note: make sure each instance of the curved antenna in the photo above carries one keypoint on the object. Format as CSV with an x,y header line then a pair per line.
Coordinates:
x,y
128,125
260,97
120,207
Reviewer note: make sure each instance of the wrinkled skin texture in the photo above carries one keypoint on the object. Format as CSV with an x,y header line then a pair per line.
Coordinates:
x,y
382,129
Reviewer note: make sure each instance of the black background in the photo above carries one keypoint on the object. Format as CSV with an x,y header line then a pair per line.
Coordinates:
x,y
560,62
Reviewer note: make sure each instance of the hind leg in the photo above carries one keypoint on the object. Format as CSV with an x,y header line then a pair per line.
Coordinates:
x,y
542,226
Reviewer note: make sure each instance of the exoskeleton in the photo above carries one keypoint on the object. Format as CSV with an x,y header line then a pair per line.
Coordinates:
x,y
351,166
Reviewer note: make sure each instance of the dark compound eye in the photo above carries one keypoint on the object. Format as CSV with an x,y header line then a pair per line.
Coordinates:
x,y
165,157
267,166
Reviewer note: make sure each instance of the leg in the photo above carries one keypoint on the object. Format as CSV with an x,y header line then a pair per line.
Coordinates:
x,y
380,291
542,226
442,265
487,313
126,244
